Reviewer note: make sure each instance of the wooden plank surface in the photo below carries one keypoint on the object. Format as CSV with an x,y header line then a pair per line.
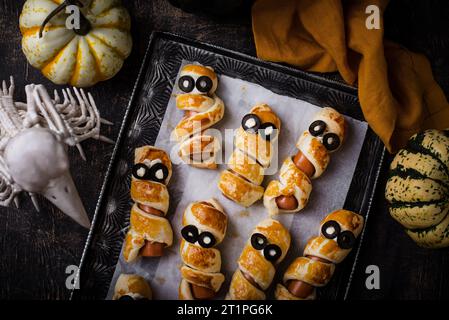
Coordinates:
x,y
37,247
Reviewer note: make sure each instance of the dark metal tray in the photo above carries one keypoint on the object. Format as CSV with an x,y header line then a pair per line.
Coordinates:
x,y
141,124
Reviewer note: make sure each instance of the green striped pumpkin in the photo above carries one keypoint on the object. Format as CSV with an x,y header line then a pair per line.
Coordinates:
x,y
418,188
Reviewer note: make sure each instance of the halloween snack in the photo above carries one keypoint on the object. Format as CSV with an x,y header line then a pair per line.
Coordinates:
x,y
80,56
33,145
324,136
241,182
265,249
150,232
204,227
202,110
338,233
132,287
418,188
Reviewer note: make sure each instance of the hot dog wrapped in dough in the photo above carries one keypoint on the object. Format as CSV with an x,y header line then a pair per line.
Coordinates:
x,y
202,109
132,287
265,249
291,193
338,233
150,231
204,227
253,153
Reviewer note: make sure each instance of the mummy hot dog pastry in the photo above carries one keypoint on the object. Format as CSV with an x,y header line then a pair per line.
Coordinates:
x,y
252,156
132,287
150,232
266,247
338,232
291,193
204,227
202,109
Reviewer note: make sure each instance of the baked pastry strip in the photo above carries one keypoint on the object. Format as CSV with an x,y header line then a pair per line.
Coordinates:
x,y
204,227
338,233
202,109
291,192
132,287
253,153
265,249
150,231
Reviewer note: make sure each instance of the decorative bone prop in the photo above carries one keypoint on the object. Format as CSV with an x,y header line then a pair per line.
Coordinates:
x,y
33,145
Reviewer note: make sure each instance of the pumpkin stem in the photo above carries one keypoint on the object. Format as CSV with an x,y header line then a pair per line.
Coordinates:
x,y
84,23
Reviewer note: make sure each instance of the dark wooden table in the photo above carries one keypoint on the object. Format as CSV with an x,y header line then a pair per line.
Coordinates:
x,y
36,247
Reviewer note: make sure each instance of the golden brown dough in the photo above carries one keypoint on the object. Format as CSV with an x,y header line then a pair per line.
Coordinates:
x,y
338,233
150,232
252,156
203,109
204,226
291,193
265,249
132,287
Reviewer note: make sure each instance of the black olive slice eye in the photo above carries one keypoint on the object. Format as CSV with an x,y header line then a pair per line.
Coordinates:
x,y
186,83
346,240
258,241
251,123
268,131
190,233
272,252
204,84
141,171
206,240
317,128
331,141
126,298
159,172
330,229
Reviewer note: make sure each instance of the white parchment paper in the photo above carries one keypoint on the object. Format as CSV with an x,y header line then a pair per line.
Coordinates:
x,y
190,184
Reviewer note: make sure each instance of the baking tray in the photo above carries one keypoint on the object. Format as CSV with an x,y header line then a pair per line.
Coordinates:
x,y
142,120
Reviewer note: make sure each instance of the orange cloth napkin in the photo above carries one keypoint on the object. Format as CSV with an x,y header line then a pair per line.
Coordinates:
x,y
397,92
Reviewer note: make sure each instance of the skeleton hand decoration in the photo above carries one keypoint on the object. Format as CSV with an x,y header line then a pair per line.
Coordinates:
x,y
33,145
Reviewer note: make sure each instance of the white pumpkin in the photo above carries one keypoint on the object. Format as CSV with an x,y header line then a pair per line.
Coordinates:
x,y
67,56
